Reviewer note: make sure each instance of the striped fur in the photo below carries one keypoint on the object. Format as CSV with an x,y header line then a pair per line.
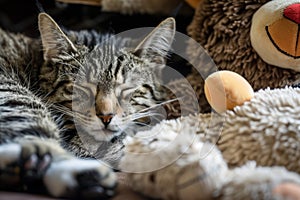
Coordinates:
x,y
68,86
112,78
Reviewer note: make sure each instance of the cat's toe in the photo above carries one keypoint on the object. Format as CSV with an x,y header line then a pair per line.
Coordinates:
x,y
34,167
92,184
9,154
9,164
34,161
23,165
87,179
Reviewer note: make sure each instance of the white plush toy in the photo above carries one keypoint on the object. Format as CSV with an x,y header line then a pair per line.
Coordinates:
x,y
242,153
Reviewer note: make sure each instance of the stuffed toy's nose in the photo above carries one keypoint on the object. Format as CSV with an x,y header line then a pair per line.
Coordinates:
x,y
292,13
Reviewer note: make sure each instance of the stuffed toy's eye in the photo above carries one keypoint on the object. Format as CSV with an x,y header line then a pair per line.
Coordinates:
x,y
275,33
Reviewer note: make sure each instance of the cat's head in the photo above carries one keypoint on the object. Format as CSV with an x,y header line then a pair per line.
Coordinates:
x,y
108,86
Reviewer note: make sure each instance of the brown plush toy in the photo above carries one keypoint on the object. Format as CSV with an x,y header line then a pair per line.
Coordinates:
x,y
257,39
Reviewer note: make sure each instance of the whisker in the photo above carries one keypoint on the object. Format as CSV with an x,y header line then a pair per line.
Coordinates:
x,y
159,104
158,115
130,120
135,116
65,63
143,124
69,112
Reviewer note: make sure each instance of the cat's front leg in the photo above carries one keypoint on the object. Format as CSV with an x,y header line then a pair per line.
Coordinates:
x,y
38,165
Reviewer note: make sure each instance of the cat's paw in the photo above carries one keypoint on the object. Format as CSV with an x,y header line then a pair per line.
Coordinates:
x,y
23,164
86,179
36,166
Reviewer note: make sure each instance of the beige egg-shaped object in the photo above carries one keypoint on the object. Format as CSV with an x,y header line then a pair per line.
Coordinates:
x,y
226,89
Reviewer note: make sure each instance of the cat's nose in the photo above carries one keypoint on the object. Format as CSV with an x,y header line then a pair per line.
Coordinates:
x,y
106,119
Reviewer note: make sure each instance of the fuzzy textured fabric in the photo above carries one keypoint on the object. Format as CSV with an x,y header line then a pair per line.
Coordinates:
x,y
140,6
266,130
223,29
228,156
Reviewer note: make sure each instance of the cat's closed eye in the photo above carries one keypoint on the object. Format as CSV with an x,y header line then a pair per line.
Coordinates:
x,y
84,93
124,91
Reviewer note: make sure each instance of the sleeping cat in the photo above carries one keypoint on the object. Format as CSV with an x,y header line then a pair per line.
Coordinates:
x,y
68,84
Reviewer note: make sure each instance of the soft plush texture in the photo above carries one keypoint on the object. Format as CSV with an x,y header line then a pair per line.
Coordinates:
x,y
223,29
228,156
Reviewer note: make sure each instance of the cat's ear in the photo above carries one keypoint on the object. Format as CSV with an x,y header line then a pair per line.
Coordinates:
x,y
156,45
55,42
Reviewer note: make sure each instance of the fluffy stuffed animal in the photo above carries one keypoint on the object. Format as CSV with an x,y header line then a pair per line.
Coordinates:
x,y
244,153
227,156
256,39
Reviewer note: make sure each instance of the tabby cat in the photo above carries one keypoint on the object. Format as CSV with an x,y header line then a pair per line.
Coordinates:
x,y
66,83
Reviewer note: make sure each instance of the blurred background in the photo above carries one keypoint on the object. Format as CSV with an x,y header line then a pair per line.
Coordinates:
x,y
21,16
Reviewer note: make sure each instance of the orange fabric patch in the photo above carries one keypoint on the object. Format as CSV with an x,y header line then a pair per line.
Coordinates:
x,y
284,35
